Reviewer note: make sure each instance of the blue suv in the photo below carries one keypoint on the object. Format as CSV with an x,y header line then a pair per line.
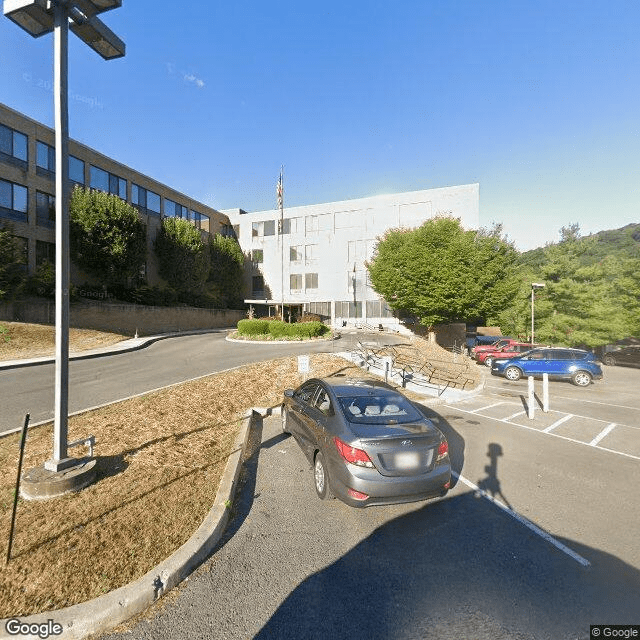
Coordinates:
x,y
561,364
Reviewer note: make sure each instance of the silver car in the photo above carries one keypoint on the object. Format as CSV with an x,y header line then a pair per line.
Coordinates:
x,y
367,443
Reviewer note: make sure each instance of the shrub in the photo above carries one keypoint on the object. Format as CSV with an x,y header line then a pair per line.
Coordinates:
x,y
298,330
253,327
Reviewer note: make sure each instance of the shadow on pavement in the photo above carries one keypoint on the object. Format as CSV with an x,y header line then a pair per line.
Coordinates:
x,y
459,568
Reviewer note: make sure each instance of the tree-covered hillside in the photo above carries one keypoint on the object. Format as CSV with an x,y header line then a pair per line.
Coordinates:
x,y
619,243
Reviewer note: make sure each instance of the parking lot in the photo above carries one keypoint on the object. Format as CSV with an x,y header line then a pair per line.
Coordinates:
x,y
536,540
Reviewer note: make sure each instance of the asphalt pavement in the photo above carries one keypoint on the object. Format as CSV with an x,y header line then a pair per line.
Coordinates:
x,y
292,566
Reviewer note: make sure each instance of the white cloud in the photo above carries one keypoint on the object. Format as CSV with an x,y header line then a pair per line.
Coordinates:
x,y
189,77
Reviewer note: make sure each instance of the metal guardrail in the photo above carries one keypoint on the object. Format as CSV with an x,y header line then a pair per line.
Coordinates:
x,y
415,369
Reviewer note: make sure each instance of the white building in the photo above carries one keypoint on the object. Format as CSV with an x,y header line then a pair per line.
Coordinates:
x,y
317,262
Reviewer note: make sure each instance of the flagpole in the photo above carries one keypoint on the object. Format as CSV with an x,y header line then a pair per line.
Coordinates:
x,y
281,205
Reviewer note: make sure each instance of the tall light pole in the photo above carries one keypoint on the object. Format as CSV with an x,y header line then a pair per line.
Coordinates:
x,y
534,286
37,18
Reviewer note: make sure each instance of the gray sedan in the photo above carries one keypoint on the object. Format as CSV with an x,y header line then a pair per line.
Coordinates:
x,y
367,443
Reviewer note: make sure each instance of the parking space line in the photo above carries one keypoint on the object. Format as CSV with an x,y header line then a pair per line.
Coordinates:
x,y
515,415
527,523
606,431
555,435
495,404
551,427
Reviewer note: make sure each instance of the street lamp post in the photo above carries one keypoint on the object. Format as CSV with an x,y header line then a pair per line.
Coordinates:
x,y
37,18
534,286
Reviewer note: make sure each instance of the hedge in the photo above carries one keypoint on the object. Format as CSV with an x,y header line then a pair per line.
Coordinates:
x,y
280,329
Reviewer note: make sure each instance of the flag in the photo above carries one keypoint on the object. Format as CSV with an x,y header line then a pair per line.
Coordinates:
x,y
279,191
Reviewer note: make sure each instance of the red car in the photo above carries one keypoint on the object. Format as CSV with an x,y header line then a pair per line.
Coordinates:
x,y
504,352
498,344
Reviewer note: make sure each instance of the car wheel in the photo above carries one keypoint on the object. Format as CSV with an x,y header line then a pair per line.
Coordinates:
x,y
321,478
609,361
284,416
512,373
581,378
488,362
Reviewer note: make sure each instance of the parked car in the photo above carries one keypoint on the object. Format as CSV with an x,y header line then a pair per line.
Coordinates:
x,y
488,357
498,343
561,364
367,443
629,356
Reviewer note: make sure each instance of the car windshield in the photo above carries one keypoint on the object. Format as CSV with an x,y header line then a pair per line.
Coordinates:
x,y
372,409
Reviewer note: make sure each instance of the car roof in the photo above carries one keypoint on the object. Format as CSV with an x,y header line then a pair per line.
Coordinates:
x,y
343,386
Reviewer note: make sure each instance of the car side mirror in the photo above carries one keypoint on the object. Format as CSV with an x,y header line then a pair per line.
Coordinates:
x,y
288,393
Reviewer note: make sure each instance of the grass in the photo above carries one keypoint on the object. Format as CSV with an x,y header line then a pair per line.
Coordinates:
x,y
21,340
160,459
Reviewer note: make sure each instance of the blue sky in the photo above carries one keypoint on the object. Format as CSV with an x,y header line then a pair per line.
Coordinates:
x,y
538,102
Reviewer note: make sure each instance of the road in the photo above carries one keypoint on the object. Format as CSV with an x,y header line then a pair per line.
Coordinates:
x,y
536,540
98,381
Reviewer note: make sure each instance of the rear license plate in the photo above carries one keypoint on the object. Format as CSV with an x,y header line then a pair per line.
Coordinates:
x,y
407,460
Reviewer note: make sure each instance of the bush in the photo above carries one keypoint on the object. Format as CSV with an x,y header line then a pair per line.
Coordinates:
x,y
279,329
253,327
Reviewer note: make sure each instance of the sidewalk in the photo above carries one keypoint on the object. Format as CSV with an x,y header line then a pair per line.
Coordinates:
x,y
132,344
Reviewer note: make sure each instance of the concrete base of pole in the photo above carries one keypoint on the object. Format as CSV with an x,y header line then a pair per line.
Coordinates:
x,y
41,483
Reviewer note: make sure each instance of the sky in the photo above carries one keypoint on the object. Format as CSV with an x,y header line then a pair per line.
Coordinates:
x,y
538,102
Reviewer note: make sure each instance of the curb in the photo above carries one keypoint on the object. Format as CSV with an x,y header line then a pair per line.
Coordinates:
x,y
125,346
108,611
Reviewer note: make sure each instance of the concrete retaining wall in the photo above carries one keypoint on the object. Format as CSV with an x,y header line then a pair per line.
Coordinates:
x,y
126,319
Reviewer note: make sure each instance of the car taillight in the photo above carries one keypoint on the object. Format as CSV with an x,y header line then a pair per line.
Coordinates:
x,y
353,455
443,451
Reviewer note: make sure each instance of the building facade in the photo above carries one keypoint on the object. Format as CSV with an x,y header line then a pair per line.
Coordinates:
x,y
309,258
27,191
313,257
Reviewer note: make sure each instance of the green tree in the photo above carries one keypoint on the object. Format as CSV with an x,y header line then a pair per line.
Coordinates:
x,y
107,237
226,272
12,265
442,273
586,302
183,257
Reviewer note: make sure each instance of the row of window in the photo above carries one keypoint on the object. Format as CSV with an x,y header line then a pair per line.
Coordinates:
x,y
45,251
13,147
296,280
14,204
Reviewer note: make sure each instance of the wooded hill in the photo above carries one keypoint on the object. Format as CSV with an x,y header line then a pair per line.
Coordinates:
x,y
620,243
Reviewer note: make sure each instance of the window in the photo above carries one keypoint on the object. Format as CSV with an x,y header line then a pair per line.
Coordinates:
x,y
45,159
257,256
378,309
257,286
310,281
200,220
153,202
13,201
295,225
349,309
13,146
138,196
45,210
295,282
323,403
144,200
295,254
270,228
45,252
284,226
76,170
257,229
108,182
174,210
310,253
311,224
